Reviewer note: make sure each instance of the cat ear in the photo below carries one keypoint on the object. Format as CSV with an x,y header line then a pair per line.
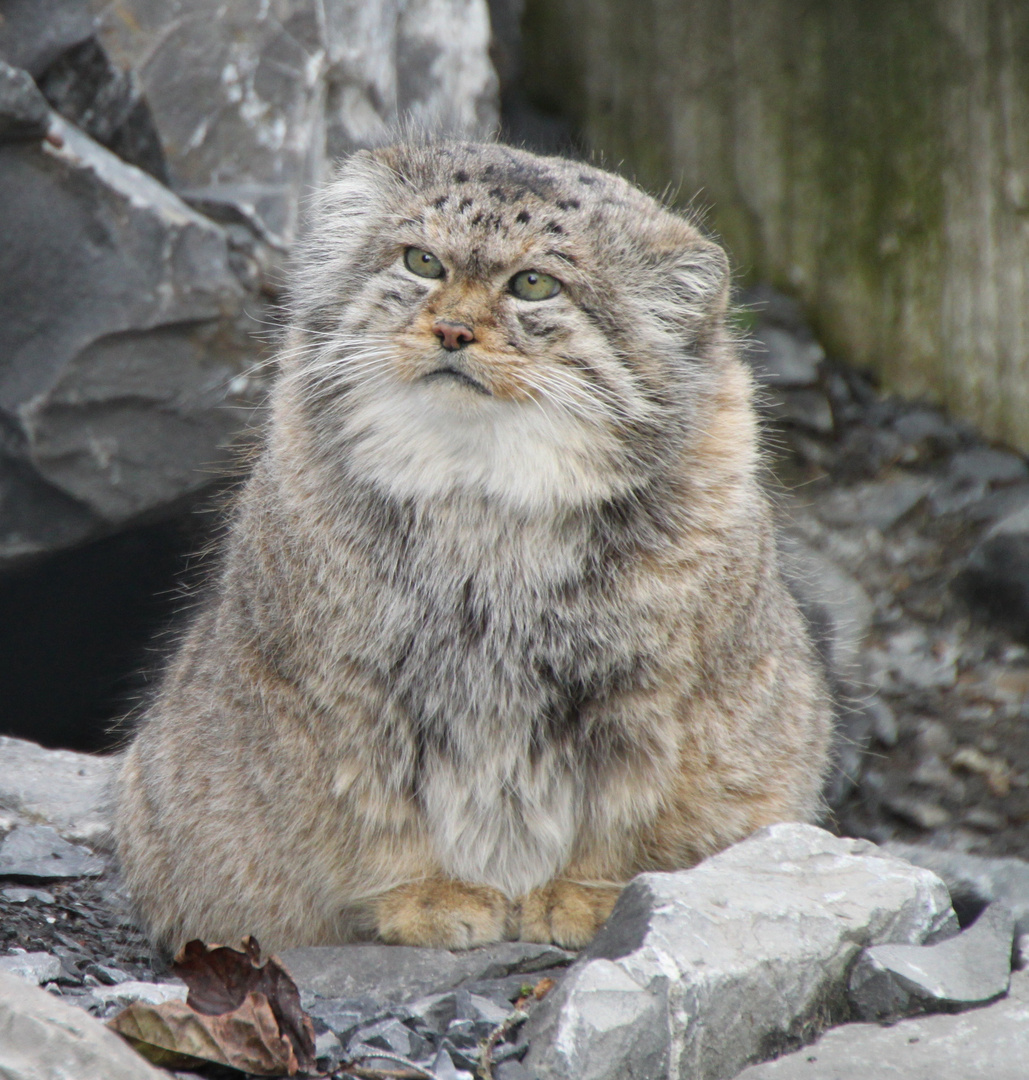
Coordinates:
x,y
696,273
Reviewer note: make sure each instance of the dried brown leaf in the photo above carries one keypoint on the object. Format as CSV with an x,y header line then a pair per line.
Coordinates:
x,y
219,979
174,1034
239,1012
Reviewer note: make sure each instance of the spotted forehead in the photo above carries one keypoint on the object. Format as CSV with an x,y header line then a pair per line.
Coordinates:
x,y
495,187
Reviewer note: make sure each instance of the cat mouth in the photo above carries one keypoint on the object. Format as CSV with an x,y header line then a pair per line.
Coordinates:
x,y
459,376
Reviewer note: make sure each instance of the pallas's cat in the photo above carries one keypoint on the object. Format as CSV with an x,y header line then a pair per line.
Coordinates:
x,y
498,622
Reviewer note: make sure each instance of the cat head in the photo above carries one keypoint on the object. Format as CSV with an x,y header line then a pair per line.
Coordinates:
x,y
476,317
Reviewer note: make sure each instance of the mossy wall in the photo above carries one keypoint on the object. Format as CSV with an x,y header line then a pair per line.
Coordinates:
x,y
869,156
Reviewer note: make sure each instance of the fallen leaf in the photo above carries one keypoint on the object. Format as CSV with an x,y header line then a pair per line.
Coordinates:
x,y
238,1012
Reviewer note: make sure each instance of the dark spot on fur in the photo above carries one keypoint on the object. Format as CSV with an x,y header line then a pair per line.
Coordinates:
x,y
477,220
460,177
589,181
441,201
553,227
464,204
474,613
524,217
568,204
499,194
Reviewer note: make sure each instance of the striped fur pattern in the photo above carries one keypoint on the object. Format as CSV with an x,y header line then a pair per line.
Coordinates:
x,y
495,628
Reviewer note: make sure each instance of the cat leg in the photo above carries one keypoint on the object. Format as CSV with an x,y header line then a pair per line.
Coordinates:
x,y
441,913
566,912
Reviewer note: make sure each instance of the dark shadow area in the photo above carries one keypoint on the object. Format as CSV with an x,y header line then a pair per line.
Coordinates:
x,y
81,631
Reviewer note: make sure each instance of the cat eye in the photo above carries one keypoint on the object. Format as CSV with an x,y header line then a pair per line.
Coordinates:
x,y
532,285
423,263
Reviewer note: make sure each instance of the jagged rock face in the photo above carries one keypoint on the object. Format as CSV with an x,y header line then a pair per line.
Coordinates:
x,y
142,240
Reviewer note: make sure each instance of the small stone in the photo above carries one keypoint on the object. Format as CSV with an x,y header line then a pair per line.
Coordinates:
x,y
443,1067
785,358
126,993
390,1034
22,896
985,820
988,465
972,968
342,1017
37,852
328,1047
804,408
35,967
512,1070
880,503
106,975
918,812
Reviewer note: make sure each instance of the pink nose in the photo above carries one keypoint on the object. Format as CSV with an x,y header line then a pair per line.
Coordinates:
x,y
452,335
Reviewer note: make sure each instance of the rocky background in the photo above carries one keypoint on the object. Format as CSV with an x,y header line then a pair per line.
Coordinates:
x,y
154,160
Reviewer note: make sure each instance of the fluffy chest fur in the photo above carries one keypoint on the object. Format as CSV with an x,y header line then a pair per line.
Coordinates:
x,y
495,640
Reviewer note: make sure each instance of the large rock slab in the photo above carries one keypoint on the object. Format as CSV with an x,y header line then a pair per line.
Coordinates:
x,y
970,969
398,973
424,63
37,853
61,788
236,100
41,1038
984,1044
700,972
123,328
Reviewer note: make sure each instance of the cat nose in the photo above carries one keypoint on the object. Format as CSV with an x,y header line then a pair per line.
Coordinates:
x,y
452,335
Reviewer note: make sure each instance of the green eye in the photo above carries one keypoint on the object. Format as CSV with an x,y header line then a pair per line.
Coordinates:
x,y
423,263
532,285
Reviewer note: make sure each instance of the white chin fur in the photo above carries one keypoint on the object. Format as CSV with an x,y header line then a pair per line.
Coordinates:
x,y
426,439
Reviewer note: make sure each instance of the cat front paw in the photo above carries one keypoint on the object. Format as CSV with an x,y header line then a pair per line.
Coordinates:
x,y
566,913
442,914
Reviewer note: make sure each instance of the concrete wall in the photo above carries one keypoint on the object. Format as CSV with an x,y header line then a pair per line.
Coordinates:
x,y
870,156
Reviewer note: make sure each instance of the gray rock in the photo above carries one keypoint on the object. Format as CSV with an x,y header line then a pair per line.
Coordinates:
x,y
24,113
803,408
68,791
967,970
109,976
988,465
126,993
397,973
880,503
34,33
123,329
975,881
991,1043
425,62
39,853
834,603
699,972
45,1039
236,101
785,357
22,896
995,578
34,967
